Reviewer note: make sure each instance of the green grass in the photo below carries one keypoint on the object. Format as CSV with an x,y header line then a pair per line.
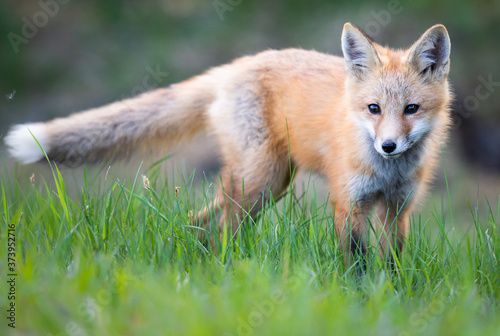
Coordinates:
x,y
105,256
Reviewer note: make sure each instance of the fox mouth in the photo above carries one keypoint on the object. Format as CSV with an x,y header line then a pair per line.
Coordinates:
x,y
391,156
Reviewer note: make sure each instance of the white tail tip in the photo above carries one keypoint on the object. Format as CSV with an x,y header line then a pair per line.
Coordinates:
x,y
21,144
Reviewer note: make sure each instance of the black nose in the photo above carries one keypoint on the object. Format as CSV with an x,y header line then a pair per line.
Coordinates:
x,y
389,146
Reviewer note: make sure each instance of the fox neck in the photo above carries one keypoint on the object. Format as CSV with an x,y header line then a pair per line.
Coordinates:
x,y
390,180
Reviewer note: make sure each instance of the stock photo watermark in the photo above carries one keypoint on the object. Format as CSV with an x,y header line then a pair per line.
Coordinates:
x,y
263,309
419,321
382,18
11,275
483,91
91,308
153,79
223,6
32,25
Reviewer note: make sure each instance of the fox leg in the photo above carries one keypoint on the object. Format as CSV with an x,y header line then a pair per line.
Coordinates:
x,y
248,179
395,226
255,163
244,189
247,185
351,229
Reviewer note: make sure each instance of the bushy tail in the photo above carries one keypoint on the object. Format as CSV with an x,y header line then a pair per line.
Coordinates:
x,y
155,119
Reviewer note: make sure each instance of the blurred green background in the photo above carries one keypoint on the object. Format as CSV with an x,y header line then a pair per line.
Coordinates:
x,y
63,56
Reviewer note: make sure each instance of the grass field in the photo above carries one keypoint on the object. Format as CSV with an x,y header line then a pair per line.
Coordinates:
x,y
104,256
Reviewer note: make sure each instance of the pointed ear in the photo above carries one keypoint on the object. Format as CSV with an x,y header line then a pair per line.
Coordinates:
x,y
359,53
430,55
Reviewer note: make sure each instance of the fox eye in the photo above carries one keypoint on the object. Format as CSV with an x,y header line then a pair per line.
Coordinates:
x,y
412,108
374,108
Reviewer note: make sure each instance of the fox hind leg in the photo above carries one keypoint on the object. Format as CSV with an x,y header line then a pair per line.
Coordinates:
x,y
255,165
246,185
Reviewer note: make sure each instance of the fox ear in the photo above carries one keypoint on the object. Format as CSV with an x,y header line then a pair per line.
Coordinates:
x,y
430,55
359,53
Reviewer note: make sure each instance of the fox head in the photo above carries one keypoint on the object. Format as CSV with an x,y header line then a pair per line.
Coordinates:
x,y
397,96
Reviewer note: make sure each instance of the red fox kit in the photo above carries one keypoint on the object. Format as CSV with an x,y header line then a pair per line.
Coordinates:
x,y
371,122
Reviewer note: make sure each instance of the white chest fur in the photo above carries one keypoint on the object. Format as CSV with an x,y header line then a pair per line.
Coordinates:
x,y
391,181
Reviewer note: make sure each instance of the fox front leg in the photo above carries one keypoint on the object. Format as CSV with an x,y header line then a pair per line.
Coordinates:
x,y
351,230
